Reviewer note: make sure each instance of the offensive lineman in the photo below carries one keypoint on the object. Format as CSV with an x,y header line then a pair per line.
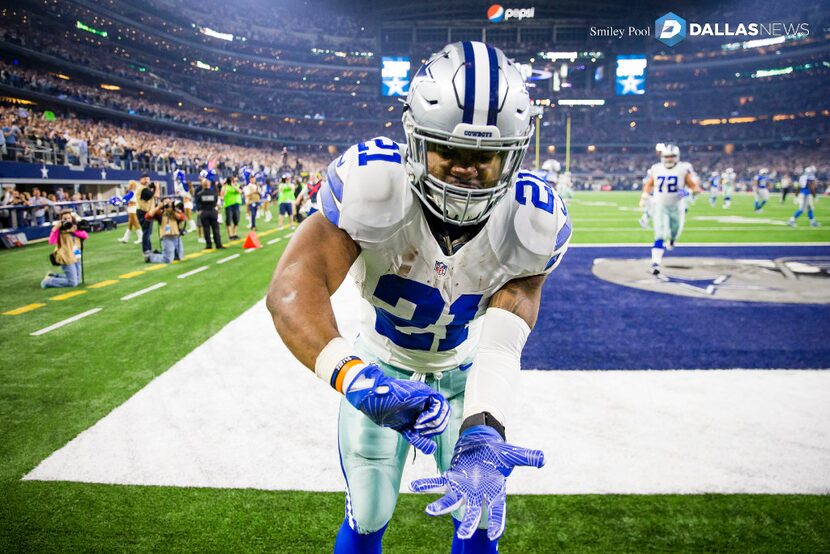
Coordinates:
x,y
762,186
443,238
669,181
807,189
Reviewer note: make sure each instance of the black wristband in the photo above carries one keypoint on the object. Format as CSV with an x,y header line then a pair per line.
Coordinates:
x,y
483,418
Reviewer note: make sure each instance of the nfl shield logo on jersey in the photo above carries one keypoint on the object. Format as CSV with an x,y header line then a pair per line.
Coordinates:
x,y
440,269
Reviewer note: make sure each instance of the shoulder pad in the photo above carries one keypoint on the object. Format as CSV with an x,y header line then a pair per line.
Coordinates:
x,y
365,191
533,218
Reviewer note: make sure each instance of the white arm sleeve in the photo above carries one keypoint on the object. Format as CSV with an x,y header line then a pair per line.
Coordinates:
x,y
496,365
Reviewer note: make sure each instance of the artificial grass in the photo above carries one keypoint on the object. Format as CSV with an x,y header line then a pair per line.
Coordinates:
x,y
57,385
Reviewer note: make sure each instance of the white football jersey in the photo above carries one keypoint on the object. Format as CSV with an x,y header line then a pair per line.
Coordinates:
x,y
727,178
421,303
668,181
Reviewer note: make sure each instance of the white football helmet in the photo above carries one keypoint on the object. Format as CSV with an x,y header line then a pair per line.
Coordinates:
x,y
810,170
467,96
670,155
763,171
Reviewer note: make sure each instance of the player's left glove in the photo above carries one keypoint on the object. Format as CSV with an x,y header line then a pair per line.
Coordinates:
x,y
478,473
683,193
409,407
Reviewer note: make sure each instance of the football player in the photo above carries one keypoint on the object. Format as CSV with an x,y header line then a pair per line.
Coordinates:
x,y
714,180
727,184
564,186
551,169
449,244
786,186
807,189
668,181
762,185
647,202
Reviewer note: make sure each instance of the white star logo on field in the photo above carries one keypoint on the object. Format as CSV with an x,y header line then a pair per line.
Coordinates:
x,y
44,172
103,174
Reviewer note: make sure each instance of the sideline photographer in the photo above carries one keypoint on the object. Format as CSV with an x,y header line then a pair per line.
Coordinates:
x,y
146,194
67,234
171,219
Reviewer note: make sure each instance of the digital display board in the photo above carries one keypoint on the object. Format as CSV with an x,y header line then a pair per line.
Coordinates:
x,y
394,75
631,74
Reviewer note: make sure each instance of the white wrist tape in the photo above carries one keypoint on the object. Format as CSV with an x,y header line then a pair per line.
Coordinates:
x,y
337,364
496,365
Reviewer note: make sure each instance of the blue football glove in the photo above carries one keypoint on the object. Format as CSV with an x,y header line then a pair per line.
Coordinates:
x,y
409,407
478,473
683,193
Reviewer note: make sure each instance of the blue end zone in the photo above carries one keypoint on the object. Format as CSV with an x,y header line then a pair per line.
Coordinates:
x,y
588,323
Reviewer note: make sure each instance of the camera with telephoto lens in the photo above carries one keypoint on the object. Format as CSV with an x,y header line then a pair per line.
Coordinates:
x,y
81,224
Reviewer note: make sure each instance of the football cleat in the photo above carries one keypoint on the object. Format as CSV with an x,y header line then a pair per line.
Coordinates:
x,y
655,269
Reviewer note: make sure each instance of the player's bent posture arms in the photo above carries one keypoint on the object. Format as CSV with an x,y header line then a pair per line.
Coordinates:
x,y
449,245
668,181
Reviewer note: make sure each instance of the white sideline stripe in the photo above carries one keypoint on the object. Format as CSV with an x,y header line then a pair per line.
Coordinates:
x,y
212,421
249,250
143,291
229,258
60,324
193,272
274,241
698,244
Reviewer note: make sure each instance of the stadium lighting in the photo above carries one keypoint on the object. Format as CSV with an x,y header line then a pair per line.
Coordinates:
x,y
216,34
203,65
763,42
553,56
110,87
582,102
772,72
84,27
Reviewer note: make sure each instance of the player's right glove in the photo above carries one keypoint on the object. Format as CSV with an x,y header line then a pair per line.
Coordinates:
x,y
409,407
477,476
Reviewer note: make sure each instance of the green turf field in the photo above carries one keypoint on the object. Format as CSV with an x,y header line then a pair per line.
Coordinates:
x,y
612,218
57,385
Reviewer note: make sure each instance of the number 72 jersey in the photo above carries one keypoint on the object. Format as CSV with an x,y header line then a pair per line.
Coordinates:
x,y
667,181
421,304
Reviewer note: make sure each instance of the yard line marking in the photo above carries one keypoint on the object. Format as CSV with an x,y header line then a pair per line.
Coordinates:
x,y
24,309
193,272
66,295
197,254
155,267
60,324
249,250
274,241
229,258
289,234
131,275
103,284
266,233
143,291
